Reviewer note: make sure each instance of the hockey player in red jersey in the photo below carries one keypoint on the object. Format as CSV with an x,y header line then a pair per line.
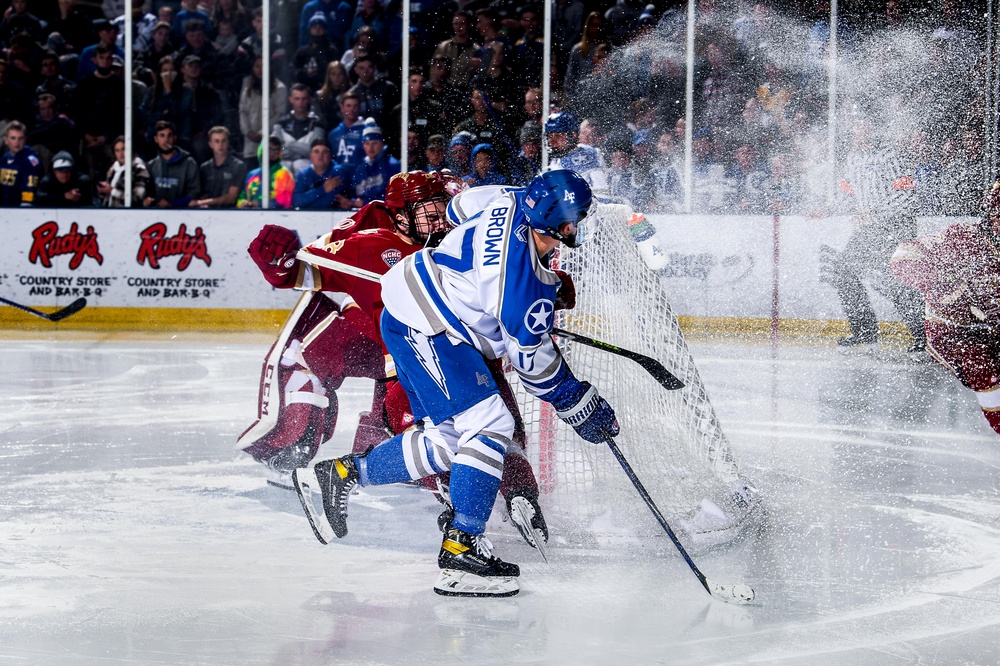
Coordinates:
x,y
332,332
958,272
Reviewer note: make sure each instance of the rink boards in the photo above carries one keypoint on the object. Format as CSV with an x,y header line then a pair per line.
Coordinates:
x,y
190,269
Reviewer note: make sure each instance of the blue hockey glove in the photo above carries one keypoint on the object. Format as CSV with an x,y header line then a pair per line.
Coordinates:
x,y
589,414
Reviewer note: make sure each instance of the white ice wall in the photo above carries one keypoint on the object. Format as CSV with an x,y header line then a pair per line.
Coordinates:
x,y
719,266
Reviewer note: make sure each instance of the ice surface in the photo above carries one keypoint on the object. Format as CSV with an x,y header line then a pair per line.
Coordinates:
x,y
132,533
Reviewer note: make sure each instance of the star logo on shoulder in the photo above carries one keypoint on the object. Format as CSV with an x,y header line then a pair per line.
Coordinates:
x,y
538,319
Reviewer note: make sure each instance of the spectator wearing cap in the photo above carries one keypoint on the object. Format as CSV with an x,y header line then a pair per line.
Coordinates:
x,y
196,43
107,35
377,96
310,61
222,177
436,153
460,49
369,13
100,112
528,52
460,154
709,187
345,139
528,162
19,20
454,101
322,184
200,110
483,168
282,181
160,46
298,128
426,113
189,12
73,26
64,187
173,172
338,14
369,180
142,27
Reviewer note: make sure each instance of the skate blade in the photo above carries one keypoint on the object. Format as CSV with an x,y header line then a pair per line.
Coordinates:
x,y
521,515
278,479
307,488
454,583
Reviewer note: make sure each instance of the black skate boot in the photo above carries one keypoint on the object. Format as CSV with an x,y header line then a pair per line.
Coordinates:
x,y
327,484
468,568
526,514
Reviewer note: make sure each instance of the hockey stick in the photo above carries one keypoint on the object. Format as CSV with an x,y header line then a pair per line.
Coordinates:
x,y
666,378
58,315
731,594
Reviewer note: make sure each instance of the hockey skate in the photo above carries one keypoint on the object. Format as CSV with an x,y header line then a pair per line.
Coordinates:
x,y
468,568
323,490
526,515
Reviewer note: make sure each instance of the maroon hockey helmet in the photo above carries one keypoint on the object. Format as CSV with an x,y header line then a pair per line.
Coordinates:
x,y
420,199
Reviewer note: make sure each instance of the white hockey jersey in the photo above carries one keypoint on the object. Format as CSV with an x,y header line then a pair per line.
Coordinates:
x,y
486,286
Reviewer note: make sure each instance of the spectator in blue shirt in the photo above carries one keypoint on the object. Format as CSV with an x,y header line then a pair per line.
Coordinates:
x,y
322,184
345,138
107,33
338,13
372,175
483,169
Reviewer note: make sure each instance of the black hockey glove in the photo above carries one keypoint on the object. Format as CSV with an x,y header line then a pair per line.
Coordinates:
x,y
589,414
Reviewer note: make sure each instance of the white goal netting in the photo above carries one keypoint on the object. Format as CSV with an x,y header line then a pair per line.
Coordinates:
x,y
672,439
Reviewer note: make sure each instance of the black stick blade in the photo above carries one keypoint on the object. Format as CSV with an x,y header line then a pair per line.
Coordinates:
x,y
70,309
656,369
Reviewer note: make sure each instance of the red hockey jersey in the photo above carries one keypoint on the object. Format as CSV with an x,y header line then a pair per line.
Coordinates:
x,y
957,270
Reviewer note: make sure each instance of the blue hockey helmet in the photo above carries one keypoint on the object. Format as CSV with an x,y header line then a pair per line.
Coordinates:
x,y
554,198
562,121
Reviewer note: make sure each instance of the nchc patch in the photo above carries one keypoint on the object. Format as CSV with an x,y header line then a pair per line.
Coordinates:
x,y
391,257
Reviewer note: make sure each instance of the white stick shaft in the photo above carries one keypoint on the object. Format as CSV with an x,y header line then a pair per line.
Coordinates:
x,y
340,267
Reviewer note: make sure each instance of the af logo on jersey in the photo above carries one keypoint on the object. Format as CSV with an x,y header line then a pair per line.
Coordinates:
x,y
391,257
539,316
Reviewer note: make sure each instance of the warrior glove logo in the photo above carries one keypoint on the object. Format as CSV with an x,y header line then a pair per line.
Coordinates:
x,y
538,319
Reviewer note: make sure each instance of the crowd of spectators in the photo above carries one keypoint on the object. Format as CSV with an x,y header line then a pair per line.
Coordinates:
x,y
474,99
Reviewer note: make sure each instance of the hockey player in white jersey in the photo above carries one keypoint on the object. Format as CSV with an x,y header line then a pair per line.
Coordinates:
x,y
485,292
562,130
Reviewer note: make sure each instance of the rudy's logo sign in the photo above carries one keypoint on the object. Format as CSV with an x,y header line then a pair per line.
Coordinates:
x,y
156,245
47,243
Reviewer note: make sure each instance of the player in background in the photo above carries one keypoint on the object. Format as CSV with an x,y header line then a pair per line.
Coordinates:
x,y
562,130
20,168
877,188
958,272
484,293
333,335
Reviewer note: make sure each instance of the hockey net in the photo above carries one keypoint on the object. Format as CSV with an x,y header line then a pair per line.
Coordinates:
x,y
672,439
